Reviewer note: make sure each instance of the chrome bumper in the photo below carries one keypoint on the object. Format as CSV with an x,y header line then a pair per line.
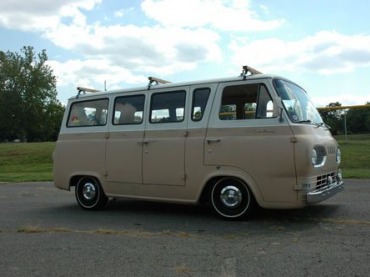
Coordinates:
x,y
322,194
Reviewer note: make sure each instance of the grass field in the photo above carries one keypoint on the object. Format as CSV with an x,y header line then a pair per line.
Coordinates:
x,y
25,162
355,156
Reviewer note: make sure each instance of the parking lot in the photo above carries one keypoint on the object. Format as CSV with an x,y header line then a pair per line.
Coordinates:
x,y
44,233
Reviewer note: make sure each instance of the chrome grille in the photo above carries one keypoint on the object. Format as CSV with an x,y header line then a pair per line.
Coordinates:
x,y
322,181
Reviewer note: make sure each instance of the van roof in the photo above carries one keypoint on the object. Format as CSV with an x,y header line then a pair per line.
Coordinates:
x,y
171,85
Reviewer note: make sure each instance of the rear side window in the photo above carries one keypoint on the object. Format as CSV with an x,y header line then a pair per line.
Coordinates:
x,y
167,107
129,110
245,102
88,113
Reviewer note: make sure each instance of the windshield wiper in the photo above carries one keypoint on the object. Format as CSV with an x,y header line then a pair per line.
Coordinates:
x,y
304,121
322,124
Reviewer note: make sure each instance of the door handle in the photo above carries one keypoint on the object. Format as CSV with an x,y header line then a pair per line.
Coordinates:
x,y
146,142
209,141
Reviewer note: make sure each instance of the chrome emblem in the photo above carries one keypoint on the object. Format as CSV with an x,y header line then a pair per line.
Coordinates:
x,y
331,149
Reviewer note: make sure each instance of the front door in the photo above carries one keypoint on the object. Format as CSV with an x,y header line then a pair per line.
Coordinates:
x,y
245,133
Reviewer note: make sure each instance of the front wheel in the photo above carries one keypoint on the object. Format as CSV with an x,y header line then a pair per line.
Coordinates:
x,y
231,199
89,194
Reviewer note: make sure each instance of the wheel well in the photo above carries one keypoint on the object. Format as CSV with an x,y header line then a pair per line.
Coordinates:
x,y
74,180
205,192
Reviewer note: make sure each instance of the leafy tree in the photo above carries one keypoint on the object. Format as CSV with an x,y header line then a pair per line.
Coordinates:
x,y
334,118
29,109
358,120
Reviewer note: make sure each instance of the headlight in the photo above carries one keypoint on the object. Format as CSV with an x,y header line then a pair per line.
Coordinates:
x,y
338,155
314,157
318,156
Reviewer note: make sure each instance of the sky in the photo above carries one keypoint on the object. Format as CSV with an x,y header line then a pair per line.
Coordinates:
x,y
322,45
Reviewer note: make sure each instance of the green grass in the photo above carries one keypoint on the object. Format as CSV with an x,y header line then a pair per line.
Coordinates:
x,y
355,156
26,162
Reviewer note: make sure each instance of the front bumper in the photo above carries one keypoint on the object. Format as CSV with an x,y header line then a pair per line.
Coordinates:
x,y
324,193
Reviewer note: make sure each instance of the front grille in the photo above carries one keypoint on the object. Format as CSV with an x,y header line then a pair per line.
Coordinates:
x,y
322,181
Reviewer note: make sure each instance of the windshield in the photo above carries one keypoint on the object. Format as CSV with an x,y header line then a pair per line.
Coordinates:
x,y
296,102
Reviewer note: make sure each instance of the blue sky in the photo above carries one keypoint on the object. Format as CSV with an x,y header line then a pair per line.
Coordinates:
x,y
322,45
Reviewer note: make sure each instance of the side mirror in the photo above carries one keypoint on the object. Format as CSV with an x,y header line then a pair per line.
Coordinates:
x,y
281,115
281,108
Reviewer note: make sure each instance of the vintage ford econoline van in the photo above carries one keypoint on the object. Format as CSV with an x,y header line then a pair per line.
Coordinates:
x,y
235,143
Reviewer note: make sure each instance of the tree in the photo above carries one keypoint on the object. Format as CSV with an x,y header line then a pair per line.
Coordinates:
x,y
334,118
29,109
358,120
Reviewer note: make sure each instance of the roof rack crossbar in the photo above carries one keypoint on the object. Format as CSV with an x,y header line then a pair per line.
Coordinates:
x,y
157,81
249,69
84,90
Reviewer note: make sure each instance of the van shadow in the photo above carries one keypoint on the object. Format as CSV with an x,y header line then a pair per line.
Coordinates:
x,y
310,214
153,217
147,208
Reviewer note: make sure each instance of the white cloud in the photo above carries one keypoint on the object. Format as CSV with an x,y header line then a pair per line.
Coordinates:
x,y
119,13
324,52
187,35
123,12
344,98
93,72
224,15
161,49
148,49
264,9
40,15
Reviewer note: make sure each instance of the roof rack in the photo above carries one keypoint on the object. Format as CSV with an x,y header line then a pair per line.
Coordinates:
x,y
84,90
249,69
157,81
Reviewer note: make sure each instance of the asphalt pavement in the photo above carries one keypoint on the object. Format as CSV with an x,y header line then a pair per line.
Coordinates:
x,y
43,232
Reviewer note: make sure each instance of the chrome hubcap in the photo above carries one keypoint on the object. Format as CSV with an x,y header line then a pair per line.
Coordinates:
x,y
89,191
231,196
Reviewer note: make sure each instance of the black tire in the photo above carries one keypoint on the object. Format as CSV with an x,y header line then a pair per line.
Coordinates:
x,y
231,199
89,194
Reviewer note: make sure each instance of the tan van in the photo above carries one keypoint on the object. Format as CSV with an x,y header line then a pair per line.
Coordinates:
x,y
235,143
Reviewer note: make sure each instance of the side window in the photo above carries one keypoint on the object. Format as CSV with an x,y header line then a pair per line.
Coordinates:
x,y
167,107
245,102
128,110
200,99
88,113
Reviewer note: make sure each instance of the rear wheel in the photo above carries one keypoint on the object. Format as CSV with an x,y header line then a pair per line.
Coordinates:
x,y
89,194
231,199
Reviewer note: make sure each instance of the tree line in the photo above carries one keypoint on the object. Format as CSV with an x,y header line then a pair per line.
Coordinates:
x,y
357,120
29,109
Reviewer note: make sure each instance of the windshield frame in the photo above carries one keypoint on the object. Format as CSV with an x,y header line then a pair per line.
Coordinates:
x,y
296,102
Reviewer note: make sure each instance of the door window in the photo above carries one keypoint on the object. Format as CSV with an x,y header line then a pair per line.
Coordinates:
x,y
88,113
167,107
245,102
128,110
